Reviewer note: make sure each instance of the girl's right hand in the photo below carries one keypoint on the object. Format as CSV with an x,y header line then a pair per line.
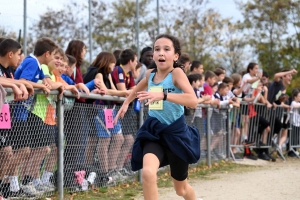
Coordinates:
x,y
46,90
24,91
121,113
18,94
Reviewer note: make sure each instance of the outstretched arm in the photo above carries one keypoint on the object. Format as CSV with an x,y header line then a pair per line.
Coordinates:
x,y
277,76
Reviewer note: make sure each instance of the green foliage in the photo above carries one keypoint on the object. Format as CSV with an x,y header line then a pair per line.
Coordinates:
x,y
267,23
263,35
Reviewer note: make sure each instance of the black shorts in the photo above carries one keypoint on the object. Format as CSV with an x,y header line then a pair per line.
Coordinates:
x,y
278,125
258,124
263,124
38,134
179,168
16,136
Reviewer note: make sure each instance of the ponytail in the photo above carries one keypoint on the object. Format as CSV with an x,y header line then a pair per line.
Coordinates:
x,y
178,64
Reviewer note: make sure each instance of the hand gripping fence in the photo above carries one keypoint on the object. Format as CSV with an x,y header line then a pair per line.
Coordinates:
x,y
56,144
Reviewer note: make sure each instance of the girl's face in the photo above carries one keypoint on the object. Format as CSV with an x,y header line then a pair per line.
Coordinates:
x,y
62,67
201,82
215,88
112,66
164,54
137,71
254,71
297,98
83,52
224,91
230,85
221,77
58,60
70,69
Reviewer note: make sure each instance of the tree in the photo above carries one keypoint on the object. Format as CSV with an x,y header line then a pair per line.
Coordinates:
x,y
198,28
115,27
267,23
233,53
62,25
6,33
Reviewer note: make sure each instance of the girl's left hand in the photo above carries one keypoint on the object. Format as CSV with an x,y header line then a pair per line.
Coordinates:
x,y
121,113
150,96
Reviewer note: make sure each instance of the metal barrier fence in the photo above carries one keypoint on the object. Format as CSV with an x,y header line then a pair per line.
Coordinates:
x,y
258,125
56,144
295,131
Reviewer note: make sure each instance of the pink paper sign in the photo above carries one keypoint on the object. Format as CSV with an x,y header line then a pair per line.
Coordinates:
x,y
5,122
109,120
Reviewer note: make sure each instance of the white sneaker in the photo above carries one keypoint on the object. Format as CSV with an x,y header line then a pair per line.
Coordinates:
x,y
116,176
48,187
30,190
125,172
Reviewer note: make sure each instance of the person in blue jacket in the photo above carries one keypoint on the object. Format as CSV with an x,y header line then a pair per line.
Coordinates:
x,y
165,138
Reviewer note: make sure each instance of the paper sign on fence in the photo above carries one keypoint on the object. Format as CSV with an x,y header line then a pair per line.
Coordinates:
x,y
109,120
5,121
255,84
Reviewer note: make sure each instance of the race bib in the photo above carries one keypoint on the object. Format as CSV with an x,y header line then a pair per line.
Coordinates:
x,y
156,105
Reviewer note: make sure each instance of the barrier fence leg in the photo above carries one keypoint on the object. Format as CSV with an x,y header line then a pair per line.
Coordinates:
x,y
60,170
228,149
141,122
208,138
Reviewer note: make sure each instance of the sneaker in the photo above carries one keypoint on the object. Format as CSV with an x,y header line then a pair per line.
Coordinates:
x,y
41,187
116,176
271,157
292,154
91,178
48,187
263,157
16,194
237,156
250,156
125,172
30,190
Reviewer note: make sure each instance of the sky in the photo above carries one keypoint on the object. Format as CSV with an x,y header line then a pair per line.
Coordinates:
x,y
11,11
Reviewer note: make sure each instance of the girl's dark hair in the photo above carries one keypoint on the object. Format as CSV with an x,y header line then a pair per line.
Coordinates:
x,y
103,60
194,77
295,92
126,56
139,65
9,45
71,60
75,47
43,45
176,45
222,86
228,80
251,66
117,53
195,65
215,84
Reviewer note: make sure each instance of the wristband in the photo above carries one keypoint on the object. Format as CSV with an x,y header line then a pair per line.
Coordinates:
x,y
165,95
